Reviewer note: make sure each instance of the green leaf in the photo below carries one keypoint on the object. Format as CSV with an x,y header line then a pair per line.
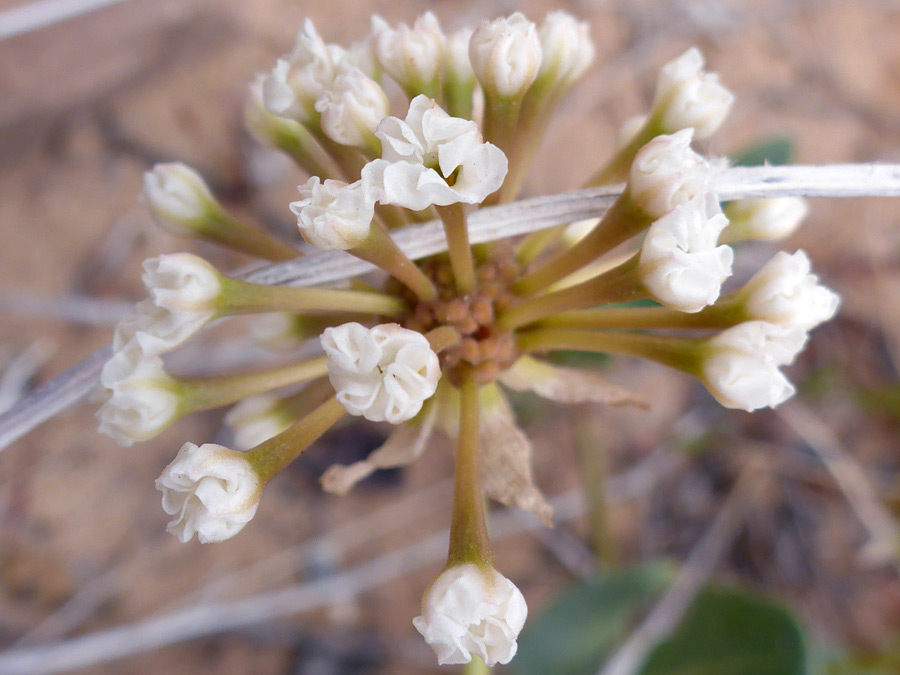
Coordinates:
x,y
574,634
729,632
775,151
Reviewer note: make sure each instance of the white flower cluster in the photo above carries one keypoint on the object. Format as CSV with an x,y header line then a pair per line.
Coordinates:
x,y
471,611
384,373
212,491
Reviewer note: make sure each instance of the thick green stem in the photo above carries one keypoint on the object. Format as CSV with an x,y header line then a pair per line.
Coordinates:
x,y
469,541
206,393
681,353
273,455
619,285
723,314
380,250
460,252
241,297
622,222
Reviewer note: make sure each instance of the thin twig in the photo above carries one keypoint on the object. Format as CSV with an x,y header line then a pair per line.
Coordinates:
x,y
490,224
884,533
215,617
700,564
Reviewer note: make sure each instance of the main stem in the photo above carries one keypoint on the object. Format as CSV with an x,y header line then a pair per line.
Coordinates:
x,y
469,541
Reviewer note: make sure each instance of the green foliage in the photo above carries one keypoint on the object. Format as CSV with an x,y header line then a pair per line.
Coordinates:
x,y
774,151
730,632
578,630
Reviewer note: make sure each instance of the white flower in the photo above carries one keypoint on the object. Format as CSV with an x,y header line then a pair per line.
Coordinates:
x,y
299,79
680,264
457,67
506,54
421,152
383,373
157,330
785,292
352,109
257,419
688,96
411,55
333,215
766,219
666,173
178,198
566,47
184,283
210,490
740,367
470,611
140,400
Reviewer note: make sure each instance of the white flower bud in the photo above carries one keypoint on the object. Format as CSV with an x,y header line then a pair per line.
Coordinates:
x,y
688,96
740,367
666,173
457,67
785,292
333,215
157,330
471,611
184,283
765,219
210,490
257,419
178,198
140,400
680,264
506,55
352,109
422,151
567,49
383,373
299,79
411,55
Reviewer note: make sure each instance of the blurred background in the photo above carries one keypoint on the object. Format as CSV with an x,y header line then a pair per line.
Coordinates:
x,y
87,104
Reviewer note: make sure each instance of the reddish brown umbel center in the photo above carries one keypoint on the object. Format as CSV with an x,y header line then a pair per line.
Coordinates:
x,y
484,346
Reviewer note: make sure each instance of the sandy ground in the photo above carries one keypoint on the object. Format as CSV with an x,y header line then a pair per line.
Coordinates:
x,y
89,104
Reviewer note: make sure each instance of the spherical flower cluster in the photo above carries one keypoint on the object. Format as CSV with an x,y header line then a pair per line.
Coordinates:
x,y
212,491
472,611
383,373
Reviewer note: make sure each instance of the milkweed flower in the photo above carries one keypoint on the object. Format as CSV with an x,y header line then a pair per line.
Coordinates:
x,y
212,491
333,215
383,373
506,55
352,108
178,198
680,263
566,49
471,611
411,55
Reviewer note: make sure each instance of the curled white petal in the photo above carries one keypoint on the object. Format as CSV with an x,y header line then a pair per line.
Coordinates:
x,y
506,55
352,108
765,219
472,611
687,96
421,152
740,367
383,373
182,282
300,78
212,491
333,215
680,263
666,172
786,292
412,55
140,399
566,46
177,197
